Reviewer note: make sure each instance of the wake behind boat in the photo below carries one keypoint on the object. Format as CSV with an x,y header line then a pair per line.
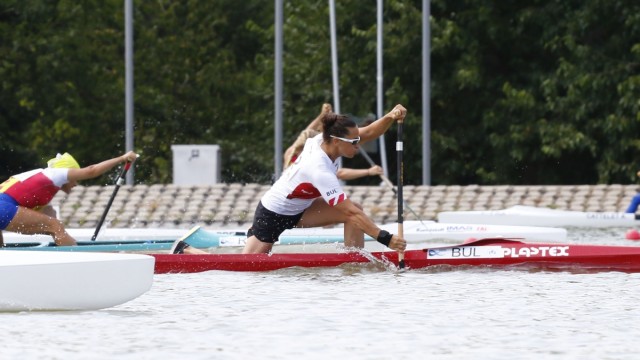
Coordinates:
x,y
534,216
71,281
499,253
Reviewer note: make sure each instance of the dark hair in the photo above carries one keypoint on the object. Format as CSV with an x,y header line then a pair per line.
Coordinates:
x,y
336,125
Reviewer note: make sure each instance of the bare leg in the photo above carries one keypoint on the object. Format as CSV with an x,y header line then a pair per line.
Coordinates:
x,y
255,246
194,251
318,214
49,211
321,214
180,246
353,236
32,222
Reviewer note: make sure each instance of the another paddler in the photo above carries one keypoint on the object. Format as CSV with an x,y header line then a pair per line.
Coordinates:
x,y
314,128
25,197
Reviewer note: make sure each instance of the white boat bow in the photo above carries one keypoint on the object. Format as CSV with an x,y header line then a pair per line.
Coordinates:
x,y
44,280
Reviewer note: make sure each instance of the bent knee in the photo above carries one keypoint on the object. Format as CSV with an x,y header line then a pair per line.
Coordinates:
x,y
55,225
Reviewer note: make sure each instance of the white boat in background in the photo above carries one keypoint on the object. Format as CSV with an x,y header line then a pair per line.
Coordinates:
x,y
45,280
416,233
533,216
106,234
419,232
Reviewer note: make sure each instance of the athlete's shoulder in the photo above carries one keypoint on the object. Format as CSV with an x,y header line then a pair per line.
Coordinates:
x,y
53,172
27,174
59,176
313,143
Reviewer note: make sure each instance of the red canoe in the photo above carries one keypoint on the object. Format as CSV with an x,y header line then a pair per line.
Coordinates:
x,y
486,252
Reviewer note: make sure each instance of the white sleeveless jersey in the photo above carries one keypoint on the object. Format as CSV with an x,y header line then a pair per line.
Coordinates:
x,y
313,174
36,187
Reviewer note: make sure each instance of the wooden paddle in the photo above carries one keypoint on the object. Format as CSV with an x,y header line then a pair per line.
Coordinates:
x,y
119,181
399,151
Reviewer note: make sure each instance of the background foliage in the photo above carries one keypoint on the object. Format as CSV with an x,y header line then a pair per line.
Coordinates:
x,y
523,92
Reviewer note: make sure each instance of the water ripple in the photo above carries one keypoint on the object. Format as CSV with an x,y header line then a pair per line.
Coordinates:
x,y
352,311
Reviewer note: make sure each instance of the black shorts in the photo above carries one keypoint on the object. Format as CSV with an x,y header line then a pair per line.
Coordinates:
x,y
267,225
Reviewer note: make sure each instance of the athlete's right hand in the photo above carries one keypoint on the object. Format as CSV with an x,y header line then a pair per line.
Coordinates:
x,y
375,170
397,243
398,113
129,157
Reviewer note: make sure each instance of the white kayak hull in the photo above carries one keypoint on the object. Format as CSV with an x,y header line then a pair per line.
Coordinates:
x,y
416,233
110,234
534,216
42,280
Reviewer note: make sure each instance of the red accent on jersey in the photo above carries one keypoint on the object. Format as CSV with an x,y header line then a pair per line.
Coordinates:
x,y
304,191
37,190
335,201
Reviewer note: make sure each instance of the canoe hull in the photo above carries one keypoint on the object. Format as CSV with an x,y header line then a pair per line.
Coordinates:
x,y
487,252
71,281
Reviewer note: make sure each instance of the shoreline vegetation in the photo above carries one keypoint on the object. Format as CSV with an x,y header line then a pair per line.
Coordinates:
x,y
521,92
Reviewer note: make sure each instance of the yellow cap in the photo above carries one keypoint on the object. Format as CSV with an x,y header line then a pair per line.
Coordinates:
x,y
64,161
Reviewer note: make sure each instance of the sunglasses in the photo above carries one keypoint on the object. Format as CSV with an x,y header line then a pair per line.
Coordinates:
x,y
350,141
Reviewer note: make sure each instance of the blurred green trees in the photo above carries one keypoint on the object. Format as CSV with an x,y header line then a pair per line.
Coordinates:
x,y
523,92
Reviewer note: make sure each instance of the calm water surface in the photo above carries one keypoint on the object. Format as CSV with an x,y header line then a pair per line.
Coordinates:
x,y
352,312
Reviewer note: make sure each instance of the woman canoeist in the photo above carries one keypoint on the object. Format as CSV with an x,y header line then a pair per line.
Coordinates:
x,y
25,197
309,193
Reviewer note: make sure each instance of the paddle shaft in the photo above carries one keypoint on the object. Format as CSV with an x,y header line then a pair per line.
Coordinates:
x,y
119,182
389,183
400,168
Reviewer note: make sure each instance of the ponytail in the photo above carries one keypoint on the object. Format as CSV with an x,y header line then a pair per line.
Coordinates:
x,y
336,125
